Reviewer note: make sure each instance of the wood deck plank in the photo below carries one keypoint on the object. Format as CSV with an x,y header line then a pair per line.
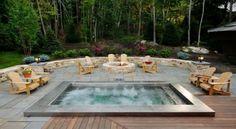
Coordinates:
x,y
96,122
84,123
224,106
78,123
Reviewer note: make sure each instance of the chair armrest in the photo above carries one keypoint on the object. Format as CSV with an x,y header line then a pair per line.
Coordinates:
x,y
20,82
203,76
42,73
218,83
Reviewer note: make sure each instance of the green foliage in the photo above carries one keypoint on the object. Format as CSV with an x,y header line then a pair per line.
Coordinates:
x,y
48,44
151,52
164,53
28,59
172,35
84,52
72,53
6,42
58,54
44,58
127,51
111,50
72,35
8,59
129,39
24,21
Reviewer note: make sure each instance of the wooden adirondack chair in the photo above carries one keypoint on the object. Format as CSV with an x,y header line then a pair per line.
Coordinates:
x,y
150,68
43,79
90,62
202,76
88,69
123,58
111,58
19,86
216,85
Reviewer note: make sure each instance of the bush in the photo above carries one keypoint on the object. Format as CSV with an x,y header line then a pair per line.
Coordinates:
x,y
172,35
84,52
47,44
72,35
28,59
58,54
151,52
164,53
127,51
111,50
72,53
98,51
128,39
44,58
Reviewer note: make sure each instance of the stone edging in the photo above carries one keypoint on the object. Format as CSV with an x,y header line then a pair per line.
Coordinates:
x,y
67,62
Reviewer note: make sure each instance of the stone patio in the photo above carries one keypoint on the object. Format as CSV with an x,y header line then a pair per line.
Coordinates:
x,y
12,106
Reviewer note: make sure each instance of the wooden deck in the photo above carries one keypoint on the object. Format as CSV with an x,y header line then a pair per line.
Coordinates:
x,y
225,118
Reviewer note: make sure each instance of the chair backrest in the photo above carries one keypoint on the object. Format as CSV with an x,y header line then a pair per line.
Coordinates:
x,y
123,58
79,66
111,58
224,77
147,58
15,77
210,71
88,60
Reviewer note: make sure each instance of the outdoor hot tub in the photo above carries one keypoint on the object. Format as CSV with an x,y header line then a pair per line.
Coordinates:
x,y
119,99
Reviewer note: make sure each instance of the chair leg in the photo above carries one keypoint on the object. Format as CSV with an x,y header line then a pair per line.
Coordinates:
x,y
211,91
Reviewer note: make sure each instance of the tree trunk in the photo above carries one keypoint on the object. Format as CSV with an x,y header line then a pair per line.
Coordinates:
x,y
140,18
41,19
200,24
154,21
189,22
55,20
230,10
61,18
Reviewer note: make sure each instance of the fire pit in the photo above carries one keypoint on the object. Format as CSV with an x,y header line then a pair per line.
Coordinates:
x,y
119,67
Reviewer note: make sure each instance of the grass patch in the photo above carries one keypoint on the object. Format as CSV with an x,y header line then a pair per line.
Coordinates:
x,y
8,59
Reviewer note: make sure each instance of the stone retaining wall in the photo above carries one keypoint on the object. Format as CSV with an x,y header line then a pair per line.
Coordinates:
x,y
100,60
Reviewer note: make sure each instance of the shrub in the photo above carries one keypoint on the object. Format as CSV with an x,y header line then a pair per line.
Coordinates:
x,y
72,35
44,58
58,54
128,39
72,53
47,44
165,53
28,59
111,50
151,52
127,51
98,51
172,35
84,52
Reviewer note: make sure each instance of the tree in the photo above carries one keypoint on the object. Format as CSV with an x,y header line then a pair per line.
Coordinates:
x,y
24,21
154,21
200,24
189,22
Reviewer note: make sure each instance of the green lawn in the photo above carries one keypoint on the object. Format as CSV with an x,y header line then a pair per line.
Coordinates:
x,y
8,59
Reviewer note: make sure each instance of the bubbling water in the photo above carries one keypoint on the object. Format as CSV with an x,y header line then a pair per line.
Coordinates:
x,y
116,96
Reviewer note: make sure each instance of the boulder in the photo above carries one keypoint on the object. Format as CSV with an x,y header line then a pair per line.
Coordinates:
x,y
183,55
